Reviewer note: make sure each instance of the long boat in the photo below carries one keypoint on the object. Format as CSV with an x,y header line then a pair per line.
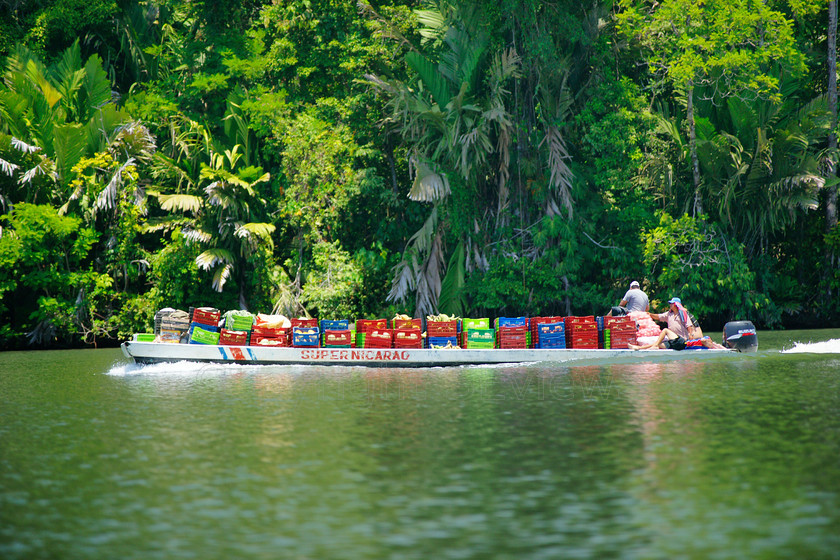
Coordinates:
x,y
156,352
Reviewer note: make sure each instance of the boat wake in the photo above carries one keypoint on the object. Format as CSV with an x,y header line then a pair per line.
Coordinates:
x,y
826,347
185,368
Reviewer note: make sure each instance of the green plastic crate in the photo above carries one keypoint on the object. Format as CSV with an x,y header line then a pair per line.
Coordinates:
x,y
200,336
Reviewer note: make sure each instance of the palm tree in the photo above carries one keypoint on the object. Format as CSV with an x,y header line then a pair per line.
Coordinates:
x,y
457,119
212,198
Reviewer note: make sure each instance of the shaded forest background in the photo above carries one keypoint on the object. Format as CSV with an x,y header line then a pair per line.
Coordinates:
x,y
346,159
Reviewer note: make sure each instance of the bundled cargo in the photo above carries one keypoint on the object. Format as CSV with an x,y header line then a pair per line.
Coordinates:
x,y
272,321
238,320
174,326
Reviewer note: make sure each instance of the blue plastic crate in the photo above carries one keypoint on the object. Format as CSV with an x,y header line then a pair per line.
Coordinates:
x,y
553,343
556,328
441,341
210,328
335,325
300,336
513,322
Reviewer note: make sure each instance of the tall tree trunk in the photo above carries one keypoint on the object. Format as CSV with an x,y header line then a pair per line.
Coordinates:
x,y
692,147
831,200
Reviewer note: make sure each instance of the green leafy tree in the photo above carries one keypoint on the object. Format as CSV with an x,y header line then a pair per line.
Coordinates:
x,y
727,47
49,293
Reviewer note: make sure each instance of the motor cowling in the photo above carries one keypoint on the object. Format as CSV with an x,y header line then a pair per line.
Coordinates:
x,y
740,336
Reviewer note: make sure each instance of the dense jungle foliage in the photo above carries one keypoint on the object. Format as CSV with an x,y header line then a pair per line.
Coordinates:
x,y
346,159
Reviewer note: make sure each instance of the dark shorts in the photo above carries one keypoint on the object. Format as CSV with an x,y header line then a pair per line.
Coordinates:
x,y
675,343
619,311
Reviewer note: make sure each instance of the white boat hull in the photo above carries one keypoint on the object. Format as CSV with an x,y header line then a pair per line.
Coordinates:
x,y
153,352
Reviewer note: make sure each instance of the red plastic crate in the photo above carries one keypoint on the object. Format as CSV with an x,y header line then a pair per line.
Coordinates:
x,y
442,328
304,322
408,336
336,338
612,322
207,316
379,338
269,341
233,338
580,320
367,325
270,333
407,324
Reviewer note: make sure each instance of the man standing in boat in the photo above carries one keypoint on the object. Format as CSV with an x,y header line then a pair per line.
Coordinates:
x,y
634,300
682,331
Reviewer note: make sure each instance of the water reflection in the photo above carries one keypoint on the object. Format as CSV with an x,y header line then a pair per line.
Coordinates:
x,y
707,459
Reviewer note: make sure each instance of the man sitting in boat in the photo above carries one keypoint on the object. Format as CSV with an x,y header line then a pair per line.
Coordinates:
x,y
682,331
634,300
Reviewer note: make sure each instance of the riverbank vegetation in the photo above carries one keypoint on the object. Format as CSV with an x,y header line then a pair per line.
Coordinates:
x,y
356,159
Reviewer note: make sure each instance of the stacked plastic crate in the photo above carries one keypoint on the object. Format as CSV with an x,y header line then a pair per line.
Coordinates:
x,y
271,336
476,333
204,326
551,335
408,333
512,332
305,333
365,327
536,322
619,332
581,332
335,333
237,329
441,334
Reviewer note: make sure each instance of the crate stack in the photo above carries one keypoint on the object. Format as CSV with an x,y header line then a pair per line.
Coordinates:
x,y
271,336
441,334
619,332
581,332
237,329
535,323
365,326
379,338
512,332
476,333
172,326
335,333
305,333
204,326
551,335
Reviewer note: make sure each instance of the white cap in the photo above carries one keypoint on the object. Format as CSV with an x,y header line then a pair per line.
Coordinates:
x,y
634,284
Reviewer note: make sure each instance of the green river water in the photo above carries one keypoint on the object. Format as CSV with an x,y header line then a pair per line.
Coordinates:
x,y
708,459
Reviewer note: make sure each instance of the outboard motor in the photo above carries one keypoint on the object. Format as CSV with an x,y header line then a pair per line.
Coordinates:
x,y
740,336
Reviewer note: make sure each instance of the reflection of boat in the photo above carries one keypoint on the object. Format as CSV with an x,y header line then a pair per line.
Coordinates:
x,y
153,352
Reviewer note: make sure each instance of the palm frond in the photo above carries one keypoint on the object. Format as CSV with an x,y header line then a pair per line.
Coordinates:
x,y
429,185
181,203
